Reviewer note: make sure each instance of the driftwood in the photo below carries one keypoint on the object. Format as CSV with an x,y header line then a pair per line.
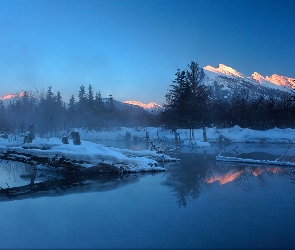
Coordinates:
x,y
253,161
68,167
33,160
61,164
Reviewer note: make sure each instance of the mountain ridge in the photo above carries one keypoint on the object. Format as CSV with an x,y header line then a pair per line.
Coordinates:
x,y
151,105
226,81
274,78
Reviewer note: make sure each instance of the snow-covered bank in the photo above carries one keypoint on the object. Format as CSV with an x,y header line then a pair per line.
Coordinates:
x,y
90,154
233,134
91,151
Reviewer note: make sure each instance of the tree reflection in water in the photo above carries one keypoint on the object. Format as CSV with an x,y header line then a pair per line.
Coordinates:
x,y
197,171
187,178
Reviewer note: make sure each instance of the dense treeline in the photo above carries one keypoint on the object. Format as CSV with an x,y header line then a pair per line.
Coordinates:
x,y
259,113
189,104
48,112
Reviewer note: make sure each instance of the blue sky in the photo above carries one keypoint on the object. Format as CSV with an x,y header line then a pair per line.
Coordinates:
x,y
133,48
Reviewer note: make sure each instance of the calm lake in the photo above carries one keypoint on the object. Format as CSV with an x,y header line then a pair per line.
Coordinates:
x,y
197,203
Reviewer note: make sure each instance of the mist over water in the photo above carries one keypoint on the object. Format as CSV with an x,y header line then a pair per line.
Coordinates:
x,y
195,203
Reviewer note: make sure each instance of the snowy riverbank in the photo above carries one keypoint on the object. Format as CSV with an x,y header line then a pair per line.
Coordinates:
x,y
233,134
86,155
92,151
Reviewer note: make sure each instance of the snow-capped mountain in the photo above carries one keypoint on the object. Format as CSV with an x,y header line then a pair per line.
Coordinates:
x,y
11,96
225,81
225,70
149,106
6,99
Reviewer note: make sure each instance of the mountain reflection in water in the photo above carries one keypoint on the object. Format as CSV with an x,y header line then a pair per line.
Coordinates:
x,y
195,174
196,203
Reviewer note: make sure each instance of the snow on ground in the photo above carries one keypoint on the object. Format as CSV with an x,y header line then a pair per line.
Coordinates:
x,y
233,134
92,151
93,154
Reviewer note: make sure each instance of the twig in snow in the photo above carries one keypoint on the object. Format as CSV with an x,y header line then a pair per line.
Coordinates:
x,y
283,153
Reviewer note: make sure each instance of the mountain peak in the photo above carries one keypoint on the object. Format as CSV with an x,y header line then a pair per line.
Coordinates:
x,y
257,77
223,69
273,79
151,105
281,80
11,96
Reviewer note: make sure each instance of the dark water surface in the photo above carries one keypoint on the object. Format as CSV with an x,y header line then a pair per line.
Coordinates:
x,y
197,203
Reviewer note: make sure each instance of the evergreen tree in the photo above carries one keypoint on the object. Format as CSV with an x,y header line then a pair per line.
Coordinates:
x,y
72,111
2,109
111,104
72,104
90,97
187,99
4,124
58,100
50,96
98,103
82,98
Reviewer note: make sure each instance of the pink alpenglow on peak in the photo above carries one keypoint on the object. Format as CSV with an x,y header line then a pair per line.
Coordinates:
x,y
257,77
275,79
9,96
281,80
223,69
151,105
270,81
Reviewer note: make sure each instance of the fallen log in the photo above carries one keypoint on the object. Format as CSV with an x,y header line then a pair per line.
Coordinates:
x,y
33,160
61,164
252,161
72,164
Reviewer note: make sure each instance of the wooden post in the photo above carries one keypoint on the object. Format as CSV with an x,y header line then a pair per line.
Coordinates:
x,y
175,136
28,138
32,130
76,138
127,136
65,140
204,134
147,136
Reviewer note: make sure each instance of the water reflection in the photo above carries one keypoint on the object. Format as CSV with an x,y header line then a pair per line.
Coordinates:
x,y
186,179
20,181
198,172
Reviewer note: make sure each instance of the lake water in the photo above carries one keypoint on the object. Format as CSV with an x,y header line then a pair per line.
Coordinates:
x,y
197,203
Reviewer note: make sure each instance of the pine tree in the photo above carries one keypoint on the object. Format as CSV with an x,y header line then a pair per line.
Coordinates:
x,y
90,97
82,98
58,100
111,103
72,104
3,117
50,96
98,103
186,101
2,108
